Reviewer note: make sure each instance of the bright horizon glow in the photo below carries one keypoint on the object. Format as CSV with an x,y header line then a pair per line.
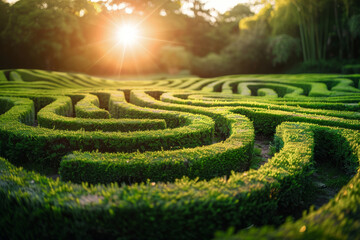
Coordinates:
x,y
223,6
220,5
127,34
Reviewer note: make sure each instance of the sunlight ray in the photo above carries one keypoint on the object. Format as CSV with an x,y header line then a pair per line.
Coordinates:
x,y
160,40
152,57
103,56
122,59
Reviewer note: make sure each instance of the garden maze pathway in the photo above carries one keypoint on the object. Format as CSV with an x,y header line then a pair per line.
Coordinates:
x,y
169,159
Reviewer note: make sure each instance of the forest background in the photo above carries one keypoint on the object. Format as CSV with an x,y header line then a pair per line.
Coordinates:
x,y
277,36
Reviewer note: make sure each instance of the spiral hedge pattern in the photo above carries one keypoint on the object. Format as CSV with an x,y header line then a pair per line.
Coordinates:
x,y
169,159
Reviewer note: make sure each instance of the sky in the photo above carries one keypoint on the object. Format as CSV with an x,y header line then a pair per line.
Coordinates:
x,y
223,5
220,5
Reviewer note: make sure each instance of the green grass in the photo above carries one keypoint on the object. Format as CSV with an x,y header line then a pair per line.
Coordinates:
x,y
257,158
331,176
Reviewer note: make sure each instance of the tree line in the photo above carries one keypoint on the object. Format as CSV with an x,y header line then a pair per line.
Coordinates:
x,y
79,36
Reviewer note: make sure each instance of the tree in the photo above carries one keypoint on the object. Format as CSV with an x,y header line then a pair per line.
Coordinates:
x,y
211,65
259,23
148,8
4,14
283,47
284,19
248,53
174,58
346,20
41,31
324,25
4,18
232,17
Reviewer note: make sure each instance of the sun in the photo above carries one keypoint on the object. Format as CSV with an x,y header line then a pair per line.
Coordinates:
x,y
127,34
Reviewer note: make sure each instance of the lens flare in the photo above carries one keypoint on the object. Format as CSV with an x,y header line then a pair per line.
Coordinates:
x,y
127,34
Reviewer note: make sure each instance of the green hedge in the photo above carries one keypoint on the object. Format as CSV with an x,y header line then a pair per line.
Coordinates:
x,y
25,86
202,162
104,98
340,217
5,105
282,90
119,108
300,110
319,89
14,76
333,103
43,76
345,85
338,106
3,77
265,121
35,207
40,101
266,116
141,98
351,69
47,146
88,107
267,92
20,109
65,80
56,116
286,85
157,210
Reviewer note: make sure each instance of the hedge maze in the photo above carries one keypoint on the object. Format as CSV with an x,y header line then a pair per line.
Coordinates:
x,y
85,157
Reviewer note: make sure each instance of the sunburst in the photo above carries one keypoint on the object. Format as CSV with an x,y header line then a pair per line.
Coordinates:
x,y
128,34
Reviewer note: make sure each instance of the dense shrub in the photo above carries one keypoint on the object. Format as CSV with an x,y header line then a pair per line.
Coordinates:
x,y
211,65
351,68
339,218
47,146
205,131
283,48
175,58
254,197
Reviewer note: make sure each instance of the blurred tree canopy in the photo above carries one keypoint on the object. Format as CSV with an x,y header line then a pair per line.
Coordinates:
x,y
322,26
78,35
174,58
4,16
40,32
